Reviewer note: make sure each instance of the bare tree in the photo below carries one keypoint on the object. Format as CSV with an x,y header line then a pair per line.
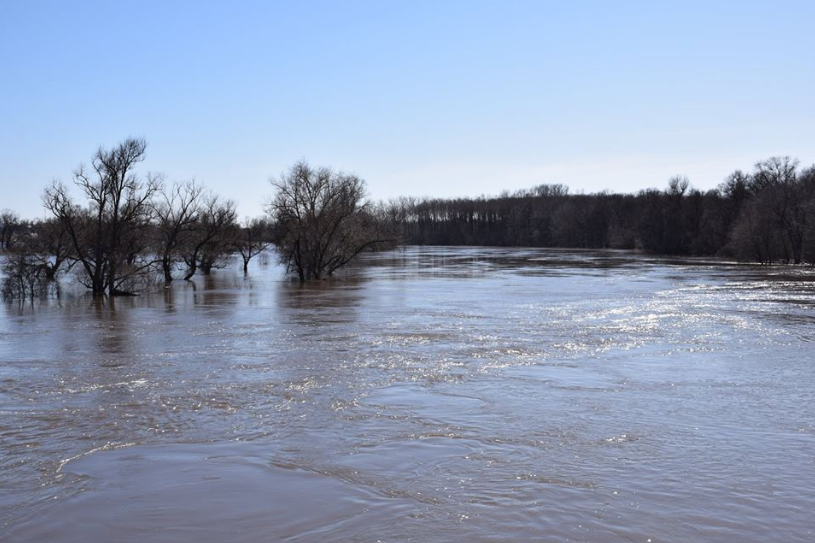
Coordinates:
x,y
22,277
210,240
321,220
108,235
776,181
251,239
50,247
32,265
177,214
550,191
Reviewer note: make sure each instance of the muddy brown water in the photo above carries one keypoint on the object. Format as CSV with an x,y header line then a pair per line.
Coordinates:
x,y
432,394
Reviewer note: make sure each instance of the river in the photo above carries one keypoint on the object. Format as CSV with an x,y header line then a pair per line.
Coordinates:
x,y
430,394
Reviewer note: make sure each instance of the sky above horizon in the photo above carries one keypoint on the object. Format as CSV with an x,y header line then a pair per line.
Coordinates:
x,y
454,98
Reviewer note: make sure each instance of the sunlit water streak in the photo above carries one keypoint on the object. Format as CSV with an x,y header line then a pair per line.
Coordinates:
x,y
432,394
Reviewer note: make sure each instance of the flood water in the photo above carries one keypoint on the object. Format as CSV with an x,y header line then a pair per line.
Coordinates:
x,y
432,394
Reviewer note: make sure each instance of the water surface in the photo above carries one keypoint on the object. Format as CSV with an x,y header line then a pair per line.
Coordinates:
x,y
445,394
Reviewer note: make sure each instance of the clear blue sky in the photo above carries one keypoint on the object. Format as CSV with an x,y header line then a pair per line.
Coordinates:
x,y
434,98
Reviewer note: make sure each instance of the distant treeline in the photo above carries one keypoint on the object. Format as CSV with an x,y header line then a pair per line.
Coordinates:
x,y
765,216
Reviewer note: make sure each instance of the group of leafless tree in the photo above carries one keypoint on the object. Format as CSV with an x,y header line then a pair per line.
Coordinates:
x,y
126,229
765,216
131,229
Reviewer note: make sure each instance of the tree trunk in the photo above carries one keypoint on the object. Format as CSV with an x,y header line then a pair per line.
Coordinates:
x,y
191,271
166,265
111,279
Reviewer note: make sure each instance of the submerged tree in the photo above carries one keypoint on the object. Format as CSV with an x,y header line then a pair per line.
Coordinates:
x,y
22,277
50,246
321,220
210,239
177,214
108,235
40,254
251,239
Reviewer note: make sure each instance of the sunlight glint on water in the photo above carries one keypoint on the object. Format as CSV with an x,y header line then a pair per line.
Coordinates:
x,y
432,394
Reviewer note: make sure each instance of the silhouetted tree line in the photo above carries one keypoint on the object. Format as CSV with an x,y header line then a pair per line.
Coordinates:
x,y
766,216
130,230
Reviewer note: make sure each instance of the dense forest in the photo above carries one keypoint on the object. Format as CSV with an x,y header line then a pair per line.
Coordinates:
x,y
765,216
